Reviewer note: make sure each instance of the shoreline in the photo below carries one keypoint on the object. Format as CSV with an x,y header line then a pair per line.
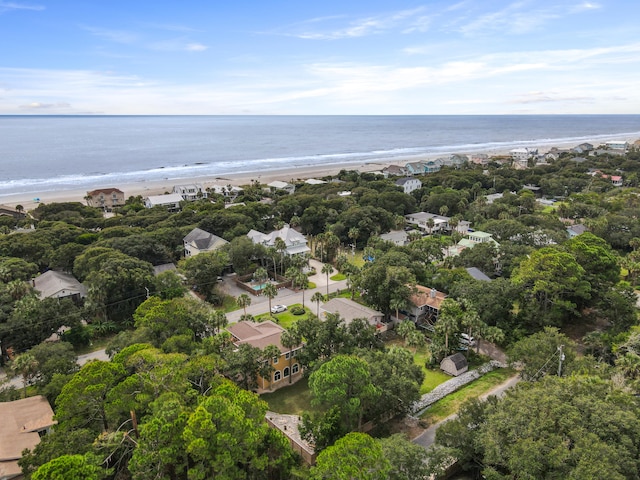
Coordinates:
x,y
288,174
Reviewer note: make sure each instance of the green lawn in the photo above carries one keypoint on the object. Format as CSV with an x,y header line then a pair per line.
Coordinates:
x,y
451,403
293,400
432,378
338,276
357,259
286,318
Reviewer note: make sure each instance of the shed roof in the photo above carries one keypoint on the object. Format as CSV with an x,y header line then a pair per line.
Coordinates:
x,y
458,360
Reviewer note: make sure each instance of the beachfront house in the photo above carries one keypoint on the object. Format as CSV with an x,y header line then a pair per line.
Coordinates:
x,y
286,368
190,193
409,184
617,145
198,241
170,201
394,171
105,198
294,241
229,192
479,158
52,284
23,422
277,185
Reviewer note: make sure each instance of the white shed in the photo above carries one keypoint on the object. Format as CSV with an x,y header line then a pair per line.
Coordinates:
x,y
454,364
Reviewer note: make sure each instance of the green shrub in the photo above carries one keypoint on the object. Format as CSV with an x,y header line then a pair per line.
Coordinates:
x,y
297,310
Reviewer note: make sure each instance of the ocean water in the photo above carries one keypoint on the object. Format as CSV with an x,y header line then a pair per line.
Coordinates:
x,y
47,153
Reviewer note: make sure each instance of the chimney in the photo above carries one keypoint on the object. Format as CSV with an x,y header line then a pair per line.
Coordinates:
x,y
433,293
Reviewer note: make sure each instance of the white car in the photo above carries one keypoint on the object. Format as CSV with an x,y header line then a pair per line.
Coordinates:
x,y
465,339
278,308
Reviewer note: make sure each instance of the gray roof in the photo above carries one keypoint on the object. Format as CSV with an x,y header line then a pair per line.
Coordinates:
x,y
165,267
578,228
350,310
458,360
402,181
478,274
58,284
203,240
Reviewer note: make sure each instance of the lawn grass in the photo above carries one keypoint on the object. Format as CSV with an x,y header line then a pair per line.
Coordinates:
x,y
432,378
293,400
451,403
338,276
356,259
286,318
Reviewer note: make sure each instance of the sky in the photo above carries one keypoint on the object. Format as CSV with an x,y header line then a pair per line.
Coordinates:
x,y
220,57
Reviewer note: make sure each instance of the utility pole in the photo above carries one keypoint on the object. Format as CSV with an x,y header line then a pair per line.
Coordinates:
x,y
560,359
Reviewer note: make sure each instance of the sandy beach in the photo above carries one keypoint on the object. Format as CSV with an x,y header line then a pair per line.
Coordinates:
x,y
146,188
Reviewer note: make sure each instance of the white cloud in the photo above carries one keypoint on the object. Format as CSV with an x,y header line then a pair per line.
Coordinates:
x,y
195,47
46,106
118,36
409,20
9,6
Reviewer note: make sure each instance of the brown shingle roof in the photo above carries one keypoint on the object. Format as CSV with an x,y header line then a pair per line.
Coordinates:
x,y
427,296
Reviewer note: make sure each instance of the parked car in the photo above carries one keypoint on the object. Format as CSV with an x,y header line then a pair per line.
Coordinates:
x,y
278,308
465,339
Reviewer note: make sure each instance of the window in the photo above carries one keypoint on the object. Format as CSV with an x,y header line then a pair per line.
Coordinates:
x,y
286,355
295,368
276,376
286,372
275,360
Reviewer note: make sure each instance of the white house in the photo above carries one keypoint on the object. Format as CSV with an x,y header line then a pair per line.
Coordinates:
x,y
409,184
198,241
52,284
278,185
191,192
170,201
617,145
440,222
295,242
350,310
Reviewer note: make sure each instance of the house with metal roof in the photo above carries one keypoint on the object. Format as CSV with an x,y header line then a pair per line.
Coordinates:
x,y
296,243
170,201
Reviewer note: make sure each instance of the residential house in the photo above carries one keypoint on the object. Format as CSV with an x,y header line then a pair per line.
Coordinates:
x,y
414,168
198,241
170,201
165,267
398,237
454,364
11,212
456,160
440,222
409,184
190,193
432,166
350,310
229,192
278,185
582,148
394,171
23,423
261,335
425,305
314,181
478,274
617,145
105,198
295,242
575,230
476,237
479,158
53,284
493,197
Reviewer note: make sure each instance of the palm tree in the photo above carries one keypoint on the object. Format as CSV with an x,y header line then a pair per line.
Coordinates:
x,y
26,366
218,320
397,303
328,270
430,224
354,233
281,247
448,320
270,291
317,297
244,301
19,208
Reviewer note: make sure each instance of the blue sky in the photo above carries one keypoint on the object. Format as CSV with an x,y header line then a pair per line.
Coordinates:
x,y
326,57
